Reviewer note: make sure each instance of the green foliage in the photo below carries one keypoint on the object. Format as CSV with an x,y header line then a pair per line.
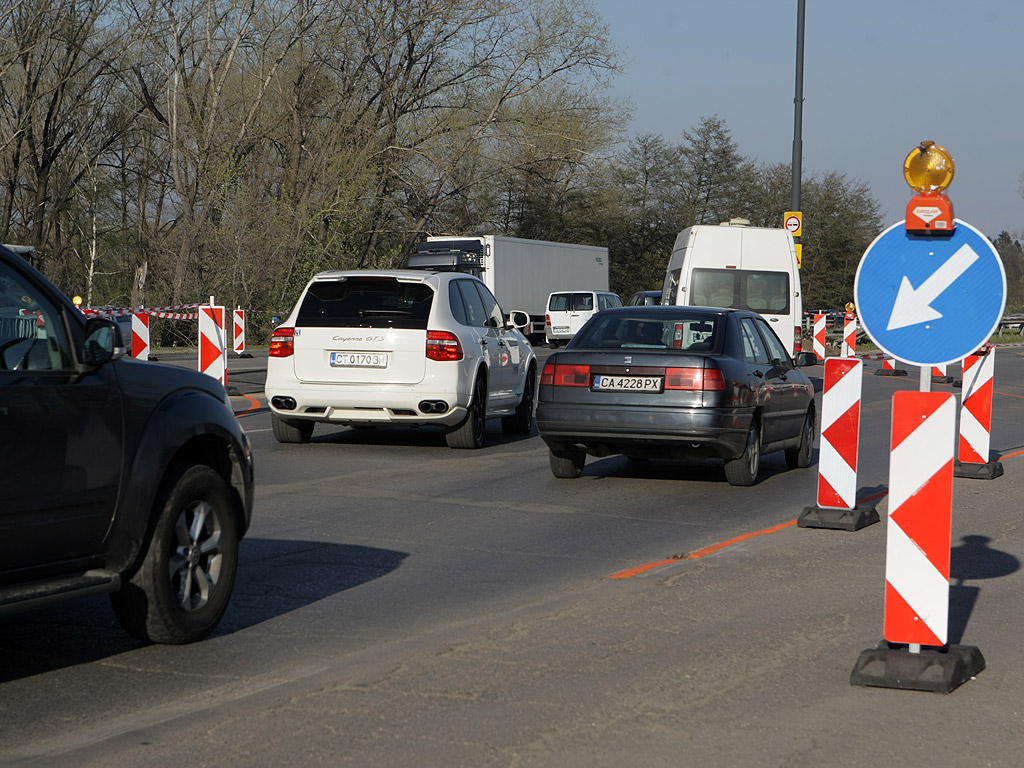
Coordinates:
x,y
163,154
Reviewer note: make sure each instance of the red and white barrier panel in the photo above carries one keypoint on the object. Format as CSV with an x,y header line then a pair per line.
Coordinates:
x,y
213,343
976,418
915,655
849,335
837,454
140,336
840,433
819,336
939,375
889,368
920,512
238,317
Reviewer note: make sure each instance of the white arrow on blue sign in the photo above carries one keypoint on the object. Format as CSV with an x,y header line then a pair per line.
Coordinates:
x,y
930,299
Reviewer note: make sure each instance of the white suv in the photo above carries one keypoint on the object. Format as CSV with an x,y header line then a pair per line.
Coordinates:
x,y
373,347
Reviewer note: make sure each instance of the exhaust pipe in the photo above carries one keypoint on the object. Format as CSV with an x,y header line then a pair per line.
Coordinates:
x,y
283,403
433,406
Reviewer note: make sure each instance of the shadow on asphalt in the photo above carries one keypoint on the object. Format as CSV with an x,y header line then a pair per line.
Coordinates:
x,y
275,577
973,560
397,435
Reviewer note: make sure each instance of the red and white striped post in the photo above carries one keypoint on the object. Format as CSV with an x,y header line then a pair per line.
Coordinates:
x,y
849,335
213,342
976,418
920,514
239,326
140,336
820,326
837,456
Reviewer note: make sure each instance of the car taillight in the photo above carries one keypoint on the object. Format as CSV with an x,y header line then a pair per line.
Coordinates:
x,y
443,345
565,375
547,320
700,379
798,340
282,342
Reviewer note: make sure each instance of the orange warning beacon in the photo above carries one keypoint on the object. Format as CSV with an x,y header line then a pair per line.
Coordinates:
x,y
928,170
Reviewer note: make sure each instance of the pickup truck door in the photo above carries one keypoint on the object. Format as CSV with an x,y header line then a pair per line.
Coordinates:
x,y
62,433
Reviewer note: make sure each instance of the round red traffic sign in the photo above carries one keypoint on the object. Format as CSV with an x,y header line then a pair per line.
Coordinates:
x,y
793,223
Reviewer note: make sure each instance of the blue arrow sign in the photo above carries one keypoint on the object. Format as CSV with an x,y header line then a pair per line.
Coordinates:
x,y
930,299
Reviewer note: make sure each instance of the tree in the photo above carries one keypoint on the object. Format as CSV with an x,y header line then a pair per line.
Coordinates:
x,y
1012,255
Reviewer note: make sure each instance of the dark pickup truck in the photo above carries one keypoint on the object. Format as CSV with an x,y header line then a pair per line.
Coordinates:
x,y
116,475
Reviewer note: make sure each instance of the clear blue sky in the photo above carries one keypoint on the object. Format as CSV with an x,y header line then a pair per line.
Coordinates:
x,y
879,77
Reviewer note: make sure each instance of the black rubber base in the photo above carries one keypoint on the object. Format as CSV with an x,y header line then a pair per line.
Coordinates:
x,y
988,471
942,379
837,519
888,372
939,670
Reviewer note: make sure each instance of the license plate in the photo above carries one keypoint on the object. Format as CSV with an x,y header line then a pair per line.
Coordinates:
x,y
628,383
359,360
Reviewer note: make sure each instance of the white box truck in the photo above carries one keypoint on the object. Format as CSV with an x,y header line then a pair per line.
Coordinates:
x,y
520,273
739,266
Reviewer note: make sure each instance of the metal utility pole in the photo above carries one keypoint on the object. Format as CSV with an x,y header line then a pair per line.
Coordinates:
x,y
798,110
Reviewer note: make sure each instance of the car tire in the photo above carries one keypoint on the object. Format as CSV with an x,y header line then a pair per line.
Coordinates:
x,y
180,588
291,430
743,470
800,457
567,463
470,433
521,422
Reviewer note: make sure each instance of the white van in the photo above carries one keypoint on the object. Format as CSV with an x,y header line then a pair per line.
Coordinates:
x,y
567,311
739,266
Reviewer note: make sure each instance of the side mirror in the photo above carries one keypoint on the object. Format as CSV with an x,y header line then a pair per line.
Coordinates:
x,y
806,359
102,342
519,319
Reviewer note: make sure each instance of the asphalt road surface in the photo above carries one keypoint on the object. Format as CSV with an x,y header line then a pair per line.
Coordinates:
x,y
400,603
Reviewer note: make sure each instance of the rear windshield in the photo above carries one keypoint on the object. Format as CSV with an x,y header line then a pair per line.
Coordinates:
x,y
682,332
366,302
559,302
763,292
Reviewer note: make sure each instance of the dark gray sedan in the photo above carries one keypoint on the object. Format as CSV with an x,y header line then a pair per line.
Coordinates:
x,y
676,382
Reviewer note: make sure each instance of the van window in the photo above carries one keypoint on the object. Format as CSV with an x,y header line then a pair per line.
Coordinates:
x,y
763,292
672,285
714,288
582,302
559,302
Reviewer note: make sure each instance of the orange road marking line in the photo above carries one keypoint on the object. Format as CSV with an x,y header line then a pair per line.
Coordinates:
x,y
254,404
631,572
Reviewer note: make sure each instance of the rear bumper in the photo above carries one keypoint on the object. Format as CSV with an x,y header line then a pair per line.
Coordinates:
x,y
665,432
364,404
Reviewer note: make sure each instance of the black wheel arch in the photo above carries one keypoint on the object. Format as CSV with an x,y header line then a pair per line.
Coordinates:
x,y
188,428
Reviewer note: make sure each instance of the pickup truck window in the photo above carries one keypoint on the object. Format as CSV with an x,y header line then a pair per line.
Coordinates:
x,y
32,336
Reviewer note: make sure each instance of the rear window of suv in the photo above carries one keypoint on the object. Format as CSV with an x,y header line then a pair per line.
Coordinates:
x,y
366,302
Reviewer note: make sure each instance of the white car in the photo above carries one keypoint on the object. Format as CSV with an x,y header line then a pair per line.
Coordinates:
x,y
377,347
